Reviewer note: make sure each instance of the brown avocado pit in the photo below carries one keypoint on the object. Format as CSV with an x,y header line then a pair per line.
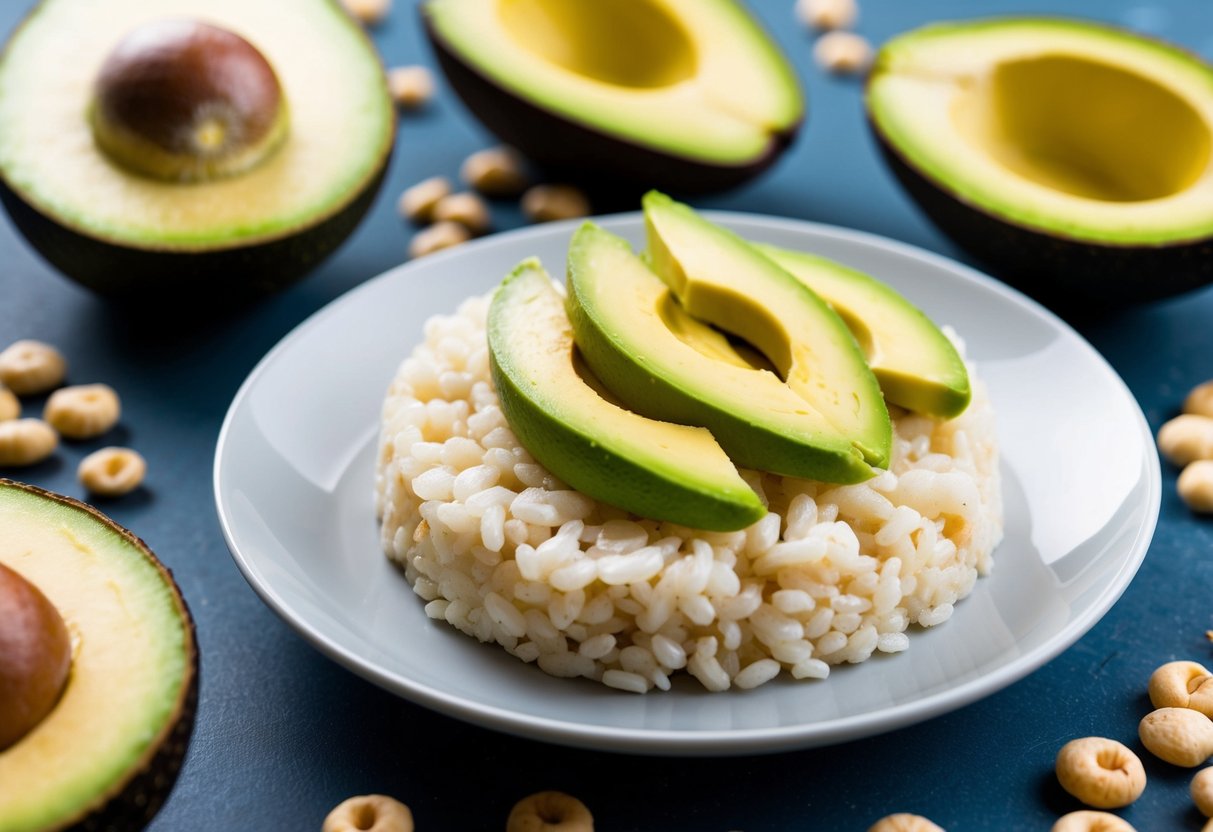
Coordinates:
x,y
35,656
183,100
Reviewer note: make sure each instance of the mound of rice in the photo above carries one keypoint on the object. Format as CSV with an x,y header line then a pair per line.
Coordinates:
x,y
501,549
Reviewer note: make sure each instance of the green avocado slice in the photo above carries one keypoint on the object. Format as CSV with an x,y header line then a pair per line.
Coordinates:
x,y
107,753
917,366
620,312
654,469
720,278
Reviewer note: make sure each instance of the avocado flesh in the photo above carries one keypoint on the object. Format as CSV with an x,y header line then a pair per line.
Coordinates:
x,y
722,279
1071,129
653,469
342,126
616,305
132,672
693,80
917,367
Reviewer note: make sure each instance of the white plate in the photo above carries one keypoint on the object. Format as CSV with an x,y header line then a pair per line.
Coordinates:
x,y
294,484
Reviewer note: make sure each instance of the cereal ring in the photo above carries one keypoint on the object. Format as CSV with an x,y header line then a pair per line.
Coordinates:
x,y
31,367
111,472
83,411
26,441
1088,821
904,822
1100,772
550,812
369,813
10,408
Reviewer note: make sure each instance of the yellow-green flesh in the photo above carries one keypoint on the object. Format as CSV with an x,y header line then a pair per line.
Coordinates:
x,y
916,365
619,309
129,661
655,469
1065,126
721,279
333,82
696,78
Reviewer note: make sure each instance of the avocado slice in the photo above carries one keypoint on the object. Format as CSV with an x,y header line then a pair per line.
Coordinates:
x,y
619,311
690,96
107,753
723,280
1075,159
248,219
653,469
917,367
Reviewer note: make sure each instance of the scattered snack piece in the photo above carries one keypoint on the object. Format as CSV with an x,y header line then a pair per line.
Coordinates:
x,y
843,53
83,411
368,12
437,237
411,87
545,203
1202,791
1100,772
31,367
827,14
1200,401
904,822
1179,736
1182,685
417,203
1209,635
1195,486
369,813
111,472
496,171
1186,438
1087,821
549,812
465,208
10,407
26,441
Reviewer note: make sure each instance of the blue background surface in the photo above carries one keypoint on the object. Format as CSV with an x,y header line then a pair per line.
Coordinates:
x,y
283,734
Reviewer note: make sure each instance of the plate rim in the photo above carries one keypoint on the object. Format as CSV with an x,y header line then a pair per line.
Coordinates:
x,y
698,742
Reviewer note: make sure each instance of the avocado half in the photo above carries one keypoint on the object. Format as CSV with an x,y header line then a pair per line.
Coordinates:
x,y
123,233
686,95
1073,158
109,750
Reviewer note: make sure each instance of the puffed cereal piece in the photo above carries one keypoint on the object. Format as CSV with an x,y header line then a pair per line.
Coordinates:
x,y
26,442
83,411
30,367
112,472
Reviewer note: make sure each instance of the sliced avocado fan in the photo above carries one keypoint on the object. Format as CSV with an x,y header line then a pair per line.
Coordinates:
x,y
651,468
620,312
723,280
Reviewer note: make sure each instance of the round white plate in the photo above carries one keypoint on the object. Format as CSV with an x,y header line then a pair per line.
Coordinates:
x,y
294,483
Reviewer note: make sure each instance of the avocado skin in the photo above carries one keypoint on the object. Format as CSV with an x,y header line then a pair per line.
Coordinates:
x,y
1071,276
238,271
571,151
134,801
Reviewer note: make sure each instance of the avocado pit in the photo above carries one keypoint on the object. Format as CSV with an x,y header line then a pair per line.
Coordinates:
x,y
186,101
35,657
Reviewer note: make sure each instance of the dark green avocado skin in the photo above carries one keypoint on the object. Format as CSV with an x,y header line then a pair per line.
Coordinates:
x,y
576,153
138,274
1073,277
133,803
